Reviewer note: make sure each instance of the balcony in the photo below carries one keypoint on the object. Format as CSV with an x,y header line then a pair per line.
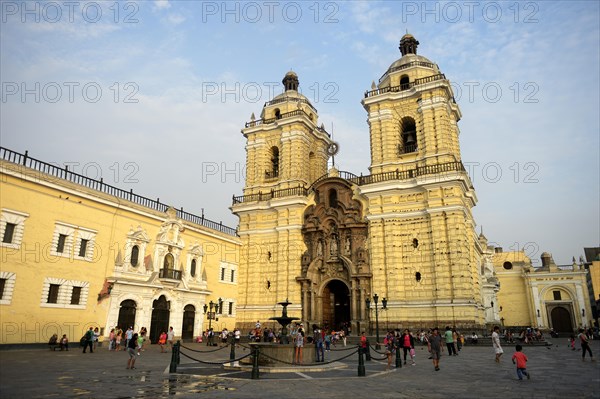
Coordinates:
x,y
170,274
407,148
271,174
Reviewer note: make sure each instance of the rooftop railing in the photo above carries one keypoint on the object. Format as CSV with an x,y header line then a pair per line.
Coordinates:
x,y
404,86
99,185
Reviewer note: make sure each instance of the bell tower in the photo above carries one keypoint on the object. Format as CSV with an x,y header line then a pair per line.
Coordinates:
x,y
425,255
286,151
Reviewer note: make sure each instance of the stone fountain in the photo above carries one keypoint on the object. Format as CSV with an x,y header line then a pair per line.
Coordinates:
x,y
284,320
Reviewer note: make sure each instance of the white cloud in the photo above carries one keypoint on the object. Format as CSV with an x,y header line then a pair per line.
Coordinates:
x,y
161,5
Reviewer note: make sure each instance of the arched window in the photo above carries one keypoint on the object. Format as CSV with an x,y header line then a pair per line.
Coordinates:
x,y
274,172
193,268
408,133
333,198
135,254
277,113
404,83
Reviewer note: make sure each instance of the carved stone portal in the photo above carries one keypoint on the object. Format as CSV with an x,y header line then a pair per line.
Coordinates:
x,y
335,269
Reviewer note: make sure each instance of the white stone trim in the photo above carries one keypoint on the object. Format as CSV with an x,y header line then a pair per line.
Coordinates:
x,y
9,287
18,219
228,267
65,291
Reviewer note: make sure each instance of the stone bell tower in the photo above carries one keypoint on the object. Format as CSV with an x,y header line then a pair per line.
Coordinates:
x,y
286,150
425,255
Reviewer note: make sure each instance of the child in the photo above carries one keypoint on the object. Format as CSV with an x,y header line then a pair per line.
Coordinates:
x,y
572,341
521,362
328,341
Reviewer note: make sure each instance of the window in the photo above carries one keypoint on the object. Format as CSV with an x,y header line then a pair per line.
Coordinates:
x,y
135,253
9,232
193,268
415,243
53,293
557,296
228,273
7,284
2,285
12,227
507,265
333,198
73,242
230,310
418,276
61,293
169,262
83,247
404,83
75,295
60,246
274,172
408,135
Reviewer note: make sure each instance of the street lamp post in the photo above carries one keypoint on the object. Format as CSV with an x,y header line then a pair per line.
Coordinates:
x,y
208,309
383,306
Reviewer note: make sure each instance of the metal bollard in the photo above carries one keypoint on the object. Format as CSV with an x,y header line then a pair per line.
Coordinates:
x,y
178,343
174,358
398,358
255,354
368,352
361,362
232,353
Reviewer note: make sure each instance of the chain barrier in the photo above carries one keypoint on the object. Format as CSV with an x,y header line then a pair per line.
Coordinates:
x,y
310,364
343,349
375,350
216,363
212,350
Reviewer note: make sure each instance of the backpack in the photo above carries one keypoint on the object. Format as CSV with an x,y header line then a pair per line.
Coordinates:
x,y
83,340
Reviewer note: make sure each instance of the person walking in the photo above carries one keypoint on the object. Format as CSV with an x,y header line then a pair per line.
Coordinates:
x,y
434,345
585,346
520,360
408,343
170,337
162,341
449,341
89,340
318,338
131,349
96,337
496,343
299,345
128,335
388,342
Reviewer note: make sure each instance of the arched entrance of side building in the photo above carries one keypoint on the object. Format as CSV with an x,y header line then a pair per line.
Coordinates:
x,y
561,319
160,318
187,329
127,312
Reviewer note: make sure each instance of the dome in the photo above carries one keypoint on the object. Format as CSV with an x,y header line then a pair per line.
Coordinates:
x,y
291,74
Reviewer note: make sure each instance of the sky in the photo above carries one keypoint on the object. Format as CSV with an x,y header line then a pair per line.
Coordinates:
x,y
152,96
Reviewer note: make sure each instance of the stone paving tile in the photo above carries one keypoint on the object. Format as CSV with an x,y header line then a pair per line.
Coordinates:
x,y
556,373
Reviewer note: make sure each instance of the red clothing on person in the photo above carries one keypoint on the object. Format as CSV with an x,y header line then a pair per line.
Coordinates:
x,y
521,360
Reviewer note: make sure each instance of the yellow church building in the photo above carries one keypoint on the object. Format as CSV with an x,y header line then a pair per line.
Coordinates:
x,y
397,246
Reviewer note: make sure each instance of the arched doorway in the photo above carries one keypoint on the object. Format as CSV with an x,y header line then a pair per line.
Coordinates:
x,y
561,320
127,314
336,304
187,329
160,318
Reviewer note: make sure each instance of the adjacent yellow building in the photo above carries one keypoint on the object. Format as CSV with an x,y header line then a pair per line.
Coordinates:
x,y
78,253
545,297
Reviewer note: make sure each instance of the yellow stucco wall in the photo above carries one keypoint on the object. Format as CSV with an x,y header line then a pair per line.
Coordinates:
x,y
49,200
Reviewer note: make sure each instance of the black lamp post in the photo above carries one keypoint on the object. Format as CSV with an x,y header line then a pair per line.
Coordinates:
x,y
383,306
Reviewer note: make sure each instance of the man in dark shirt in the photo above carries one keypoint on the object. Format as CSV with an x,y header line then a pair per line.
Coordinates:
x,y
435,347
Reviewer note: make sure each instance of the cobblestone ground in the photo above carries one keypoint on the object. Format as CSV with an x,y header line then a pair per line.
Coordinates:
x,y
557,372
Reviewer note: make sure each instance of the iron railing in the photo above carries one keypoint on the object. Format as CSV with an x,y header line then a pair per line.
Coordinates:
x,y
99,185
170,273
405,86
406,66
456,166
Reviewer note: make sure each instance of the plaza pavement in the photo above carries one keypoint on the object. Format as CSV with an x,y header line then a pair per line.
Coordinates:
x,y
557,372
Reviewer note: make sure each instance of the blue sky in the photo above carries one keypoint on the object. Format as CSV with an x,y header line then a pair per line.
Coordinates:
x,y
152,96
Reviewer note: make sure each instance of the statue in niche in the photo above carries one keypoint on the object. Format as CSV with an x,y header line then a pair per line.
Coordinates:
x,y
347,245
320,248
333,246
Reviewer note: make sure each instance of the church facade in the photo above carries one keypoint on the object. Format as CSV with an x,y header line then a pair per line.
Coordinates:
x,y
331,241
